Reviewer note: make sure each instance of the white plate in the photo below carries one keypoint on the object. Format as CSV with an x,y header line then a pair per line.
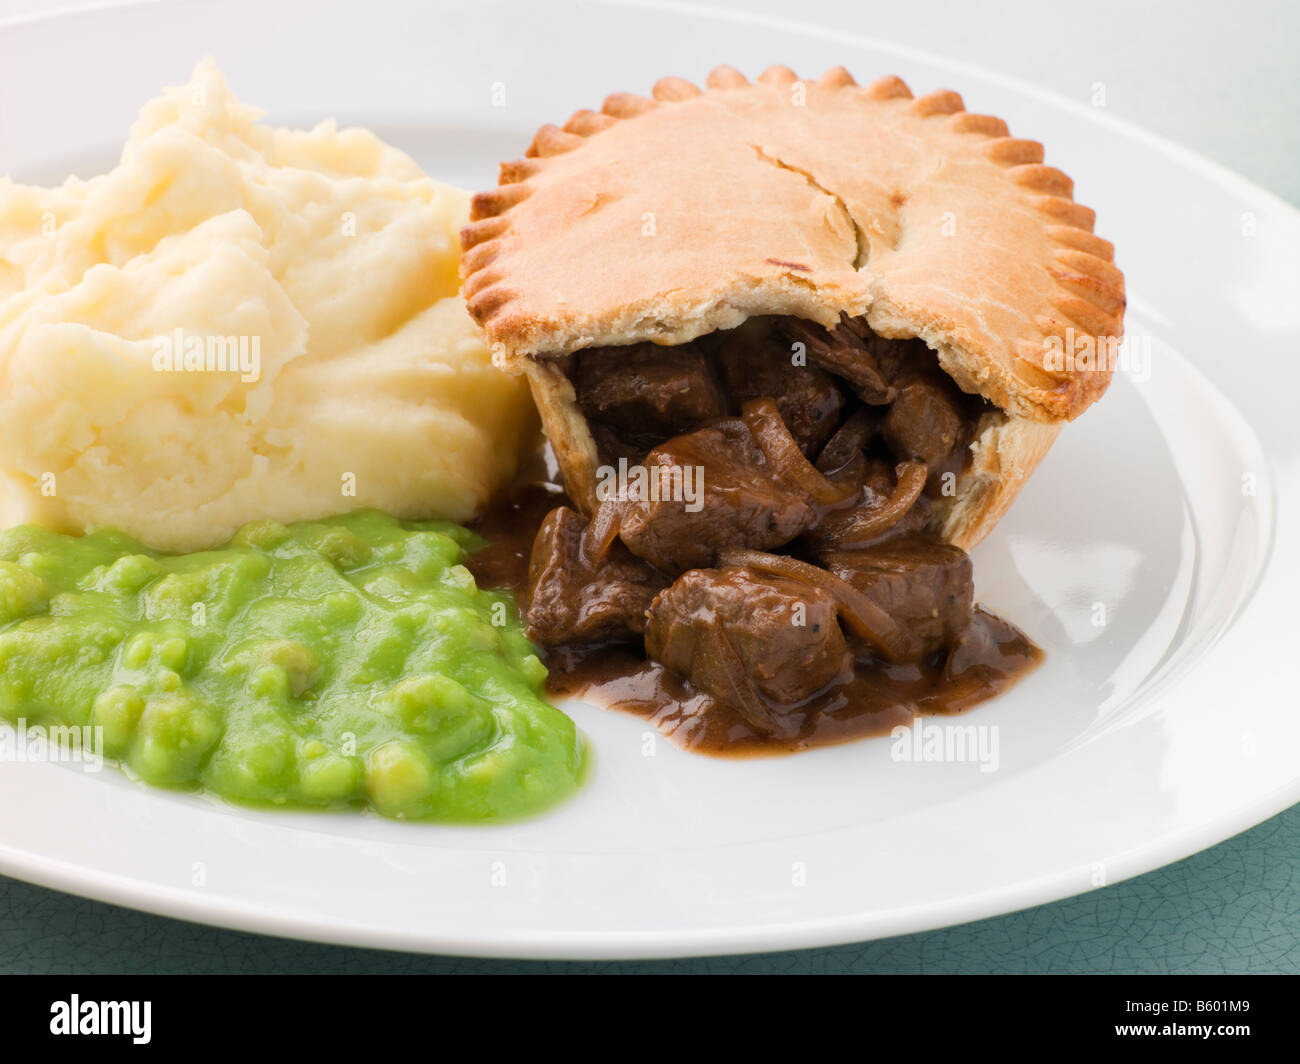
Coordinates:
x,y
1171,727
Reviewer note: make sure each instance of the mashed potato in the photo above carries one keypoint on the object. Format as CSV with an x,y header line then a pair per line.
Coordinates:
x,y
242,323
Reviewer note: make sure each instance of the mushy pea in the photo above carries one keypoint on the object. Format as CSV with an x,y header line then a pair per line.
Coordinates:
x,y
351,660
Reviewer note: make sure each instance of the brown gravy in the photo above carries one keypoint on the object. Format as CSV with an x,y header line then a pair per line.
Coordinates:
x,y
618,676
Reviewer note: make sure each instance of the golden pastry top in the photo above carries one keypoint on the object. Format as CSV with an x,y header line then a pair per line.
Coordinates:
x,y
664,219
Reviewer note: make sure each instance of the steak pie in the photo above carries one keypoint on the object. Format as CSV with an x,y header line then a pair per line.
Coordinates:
x,y
811,322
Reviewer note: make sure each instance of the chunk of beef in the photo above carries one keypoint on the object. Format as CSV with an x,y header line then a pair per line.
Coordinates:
x,y
573,599
760,644
740,503
900,361
611,446
756,364
987,649
842,351
923,424
917,579
645,390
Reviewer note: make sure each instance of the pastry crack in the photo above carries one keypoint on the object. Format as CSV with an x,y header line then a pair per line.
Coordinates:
x,y
862,249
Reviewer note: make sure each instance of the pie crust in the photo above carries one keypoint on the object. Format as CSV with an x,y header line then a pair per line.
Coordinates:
x,y
667,218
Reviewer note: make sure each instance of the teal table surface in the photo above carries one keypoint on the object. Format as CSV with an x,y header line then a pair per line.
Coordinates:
x,y
1222,79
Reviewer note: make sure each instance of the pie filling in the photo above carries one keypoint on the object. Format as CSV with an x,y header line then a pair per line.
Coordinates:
x,y
757,574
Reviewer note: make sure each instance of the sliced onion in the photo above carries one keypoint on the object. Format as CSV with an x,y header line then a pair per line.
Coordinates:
x,y
867,524
742,695
864,617
785,457
847,443
600,533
